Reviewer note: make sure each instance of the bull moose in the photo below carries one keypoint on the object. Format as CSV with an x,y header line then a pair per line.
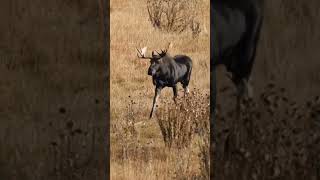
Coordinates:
x,y
235,29
167,71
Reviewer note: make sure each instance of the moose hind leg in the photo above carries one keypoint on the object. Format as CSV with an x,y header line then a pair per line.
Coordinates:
x,y
175,93
186,90
244,89
155,99
185,83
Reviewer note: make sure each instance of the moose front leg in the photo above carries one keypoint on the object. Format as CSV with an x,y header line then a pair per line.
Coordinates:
x,y
155,99
175,93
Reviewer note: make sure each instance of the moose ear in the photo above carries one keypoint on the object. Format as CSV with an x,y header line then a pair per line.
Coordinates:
x,y
152,53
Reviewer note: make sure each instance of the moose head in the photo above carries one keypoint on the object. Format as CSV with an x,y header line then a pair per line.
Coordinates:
x,y
156,60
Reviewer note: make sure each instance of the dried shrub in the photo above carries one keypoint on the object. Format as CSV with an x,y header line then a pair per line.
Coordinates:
x,y
180,122
124,130
275,137
174,15
181,163
204,154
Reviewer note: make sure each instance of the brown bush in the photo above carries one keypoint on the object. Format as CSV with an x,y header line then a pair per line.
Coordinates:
x,y
174,15
179,122
274,138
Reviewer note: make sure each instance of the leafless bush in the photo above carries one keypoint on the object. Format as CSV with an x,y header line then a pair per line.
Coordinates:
x,y
66,158
174,15
125,131
179,122
274,138
204,155
180,162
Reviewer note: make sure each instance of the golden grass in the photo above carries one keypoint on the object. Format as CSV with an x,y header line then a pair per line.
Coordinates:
x,y
130,29
137,147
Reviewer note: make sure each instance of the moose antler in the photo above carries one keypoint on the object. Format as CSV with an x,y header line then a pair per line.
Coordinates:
x,y
163,52
141,53
169,46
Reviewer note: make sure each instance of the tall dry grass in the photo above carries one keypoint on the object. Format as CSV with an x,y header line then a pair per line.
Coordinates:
x,y
275,137
138,148
176,148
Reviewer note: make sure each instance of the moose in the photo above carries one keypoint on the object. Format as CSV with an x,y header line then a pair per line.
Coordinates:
x,y
167,71
235,31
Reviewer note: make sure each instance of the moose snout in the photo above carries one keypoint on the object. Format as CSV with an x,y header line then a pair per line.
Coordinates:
x,y
151,72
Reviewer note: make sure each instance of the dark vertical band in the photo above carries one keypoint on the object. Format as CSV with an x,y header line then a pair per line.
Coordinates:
x,y
212,96
105,20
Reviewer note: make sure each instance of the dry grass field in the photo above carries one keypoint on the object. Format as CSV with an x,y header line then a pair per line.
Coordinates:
x,y
277,135
139,146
